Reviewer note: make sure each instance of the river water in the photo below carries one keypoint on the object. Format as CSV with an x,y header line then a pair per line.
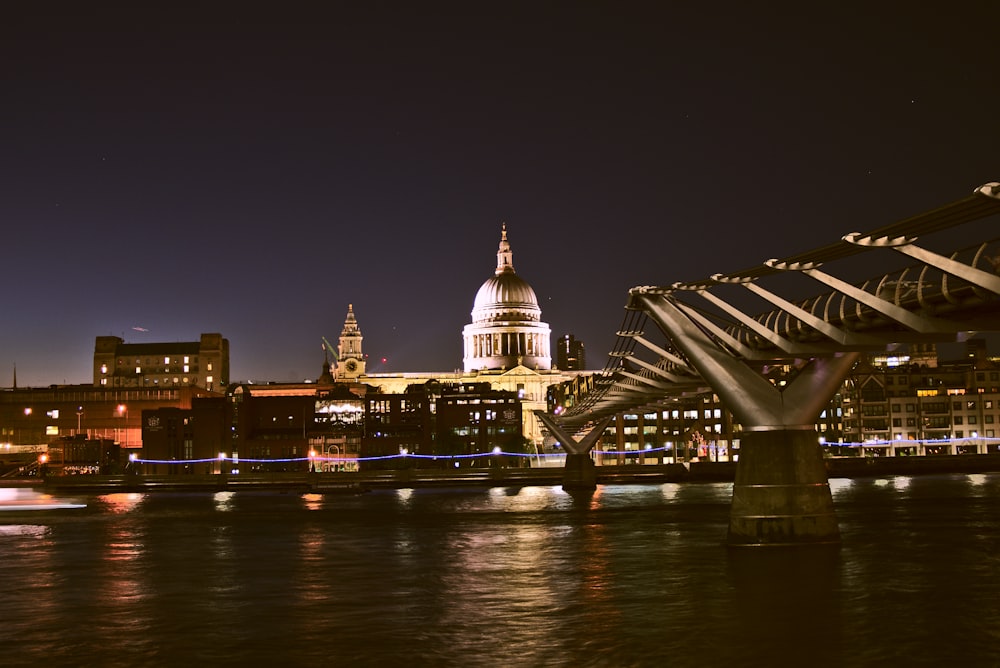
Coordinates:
x,y
634,575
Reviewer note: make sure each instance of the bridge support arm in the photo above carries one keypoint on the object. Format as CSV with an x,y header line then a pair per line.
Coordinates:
x,y
782,493
579,473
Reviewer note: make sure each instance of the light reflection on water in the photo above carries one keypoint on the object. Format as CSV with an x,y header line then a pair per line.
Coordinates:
x,y
627,576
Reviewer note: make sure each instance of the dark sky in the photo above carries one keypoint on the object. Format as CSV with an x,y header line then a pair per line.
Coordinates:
x,y
254,172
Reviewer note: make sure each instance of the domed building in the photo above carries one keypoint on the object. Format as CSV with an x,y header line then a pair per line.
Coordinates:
x,y
506,329
506,345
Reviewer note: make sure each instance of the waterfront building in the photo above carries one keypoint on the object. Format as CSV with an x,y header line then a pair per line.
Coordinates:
x,y
470,421
34,419
203,363
316,422
268,427
921,404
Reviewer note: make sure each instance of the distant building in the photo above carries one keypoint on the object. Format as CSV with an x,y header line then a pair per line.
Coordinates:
x,y
506,345
203,363
461,422
350,363
570,354
270,427
41,417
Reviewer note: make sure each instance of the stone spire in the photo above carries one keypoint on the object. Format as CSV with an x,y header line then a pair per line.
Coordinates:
x,y
505,258
350,322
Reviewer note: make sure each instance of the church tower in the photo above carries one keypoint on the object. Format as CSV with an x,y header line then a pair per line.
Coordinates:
x,y
350,361
506,329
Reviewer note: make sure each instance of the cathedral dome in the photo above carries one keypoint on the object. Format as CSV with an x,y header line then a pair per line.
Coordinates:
x,y
506,329
505,296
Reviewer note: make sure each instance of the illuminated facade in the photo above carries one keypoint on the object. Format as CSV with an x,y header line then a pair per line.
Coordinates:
x,y
506,329
459,423
257,428
506,345
350,363
38,418
203,363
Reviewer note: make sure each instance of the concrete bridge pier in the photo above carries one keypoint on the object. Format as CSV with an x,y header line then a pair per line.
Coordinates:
x,y
579,473
781,494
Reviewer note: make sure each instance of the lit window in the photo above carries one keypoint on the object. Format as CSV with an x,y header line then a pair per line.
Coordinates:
x,y
187,360
138,369
187,369
209,366
166,360
104,368
209,379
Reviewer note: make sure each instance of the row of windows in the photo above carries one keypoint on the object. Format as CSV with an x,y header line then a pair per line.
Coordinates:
x,y
931,380
177,380
187,364
690,414
938,406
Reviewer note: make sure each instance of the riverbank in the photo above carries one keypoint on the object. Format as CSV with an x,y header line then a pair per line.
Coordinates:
x,y
359,482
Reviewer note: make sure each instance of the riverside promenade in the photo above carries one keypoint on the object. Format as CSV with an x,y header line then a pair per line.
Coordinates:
x,y
359,482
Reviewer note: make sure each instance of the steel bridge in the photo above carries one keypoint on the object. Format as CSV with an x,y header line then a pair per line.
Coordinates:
x,y
935,280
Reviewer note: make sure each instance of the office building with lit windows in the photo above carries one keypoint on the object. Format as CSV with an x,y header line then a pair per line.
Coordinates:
x,y
451,425
203,363
68,418
570,354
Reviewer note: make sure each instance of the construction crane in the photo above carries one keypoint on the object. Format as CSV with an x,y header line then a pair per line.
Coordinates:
x,y
329,347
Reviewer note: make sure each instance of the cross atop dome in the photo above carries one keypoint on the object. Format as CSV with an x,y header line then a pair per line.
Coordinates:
x,y
505,258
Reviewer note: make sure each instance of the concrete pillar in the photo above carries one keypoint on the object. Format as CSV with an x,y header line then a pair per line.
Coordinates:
x,y
579,473
781,494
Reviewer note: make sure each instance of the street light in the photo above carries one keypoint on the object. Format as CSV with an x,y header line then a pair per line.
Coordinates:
x,y
123,414
79,417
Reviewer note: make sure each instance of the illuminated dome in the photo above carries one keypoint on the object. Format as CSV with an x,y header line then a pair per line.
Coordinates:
x,y
506,327
506,296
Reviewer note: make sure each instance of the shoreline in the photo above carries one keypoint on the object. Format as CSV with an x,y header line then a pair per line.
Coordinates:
x,y
360,482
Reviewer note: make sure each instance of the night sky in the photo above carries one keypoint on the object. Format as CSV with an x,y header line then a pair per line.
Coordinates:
x,y
254,172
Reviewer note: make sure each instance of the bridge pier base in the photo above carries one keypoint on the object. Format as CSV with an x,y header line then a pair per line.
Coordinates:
x,y
782,492
579,473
